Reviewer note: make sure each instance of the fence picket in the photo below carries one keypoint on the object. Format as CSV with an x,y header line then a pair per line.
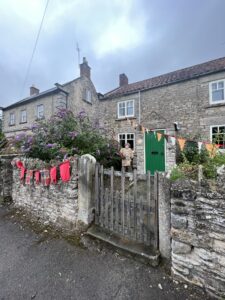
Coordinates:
x,y
135,203
128,213
156,210
148,207
141,217
97,194
102,195
122,198
106,208
111,197
117,201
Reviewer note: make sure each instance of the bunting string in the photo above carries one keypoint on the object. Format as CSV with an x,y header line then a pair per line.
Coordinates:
x,y
210,147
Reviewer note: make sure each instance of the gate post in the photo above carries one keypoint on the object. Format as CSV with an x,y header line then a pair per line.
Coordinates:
x,y
164,216
86,204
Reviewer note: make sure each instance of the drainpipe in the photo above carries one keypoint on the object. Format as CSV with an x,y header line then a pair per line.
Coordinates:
x,y
139,107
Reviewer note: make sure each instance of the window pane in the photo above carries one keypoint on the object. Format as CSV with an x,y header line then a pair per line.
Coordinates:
x,y
214,86
222,129
122,143
122,105
12,119
218,136
23,116
122,111
130,108
218,95
122,140
122,136
214,130
130,111
220,85
131,142
40,111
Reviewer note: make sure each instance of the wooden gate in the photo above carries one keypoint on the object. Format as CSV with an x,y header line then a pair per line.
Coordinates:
x,y
126,204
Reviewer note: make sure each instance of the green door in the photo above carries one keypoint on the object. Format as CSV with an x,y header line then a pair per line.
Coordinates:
x,y
154,152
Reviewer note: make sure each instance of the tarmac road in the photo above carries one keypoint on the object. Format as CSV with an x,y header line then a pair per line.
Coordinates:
x,y
37,266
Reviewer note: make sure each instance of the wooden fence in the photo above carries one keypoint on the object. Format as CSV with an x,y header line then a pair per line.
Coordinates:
x,y
127,204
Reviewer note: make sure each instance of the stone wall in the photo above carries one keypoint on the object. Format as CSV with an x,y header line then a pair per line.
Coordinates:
x,y
56,204
198,233
61,205
6,177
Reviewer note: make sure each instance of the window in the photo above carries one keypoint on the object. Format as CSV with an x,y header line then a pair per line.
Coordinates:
x,y
126,138
87,95
23,116
40,111
125,109
218,135
217,91
12,119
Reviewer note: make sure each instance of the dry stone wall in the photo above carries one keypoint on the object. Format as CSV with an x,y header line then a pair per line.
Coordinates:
x,y
198,233
56,204
60,205
6,175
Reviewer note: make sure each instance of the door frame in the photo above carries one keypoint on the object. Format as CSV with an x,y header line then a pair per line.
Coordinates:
x,y
165,147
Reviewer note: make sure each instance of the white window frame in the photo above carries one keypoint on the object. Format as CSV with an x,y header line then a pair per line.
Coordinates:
x,y
38,116
126,115
211,135
210,92
10,119
88,96
21,116
126,133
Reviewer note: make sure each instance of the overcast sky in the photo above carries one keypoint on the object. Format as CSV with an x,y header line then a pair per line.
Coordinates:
x,y
142,38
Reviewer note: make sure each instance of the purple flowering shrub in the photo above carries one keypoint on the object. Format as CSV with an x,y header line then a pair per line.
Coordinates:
x,y
65,135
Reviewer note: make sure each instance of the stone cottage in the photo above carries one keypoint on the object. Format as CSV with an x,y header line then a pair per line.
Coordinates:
x,y
75,95
187,102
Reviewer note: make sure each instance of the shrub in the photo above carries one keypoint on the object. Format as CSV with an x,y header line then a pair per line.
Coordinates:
x,y
184,170
65,135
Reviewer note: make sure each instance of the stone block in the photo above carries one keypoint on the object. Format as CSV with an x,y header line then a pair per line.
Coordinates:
x,y
179,222
219,246
180,248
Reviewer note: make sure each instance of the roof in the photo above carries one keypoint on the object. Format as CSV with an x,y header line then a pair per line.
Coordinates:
x,y
54,90
196,71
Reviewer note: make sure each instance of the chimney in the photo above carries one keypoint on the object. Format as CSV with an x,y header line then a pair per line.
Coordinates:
x,y
85,70
33,91
123,79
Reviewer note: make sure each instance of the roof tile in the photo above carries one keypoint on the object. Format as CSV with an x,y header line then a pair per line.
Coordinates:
x,y
192,72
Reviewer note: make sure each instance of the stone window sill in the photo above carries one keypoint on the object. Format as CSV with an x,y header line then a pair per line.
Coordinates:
x,y
39,119
125,119
23,122
215,105
12,124
87,102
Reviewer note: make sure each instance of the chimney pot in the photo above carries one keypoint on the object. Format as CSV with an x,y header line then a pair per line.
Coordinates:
x,y
85,70
123,79
34,90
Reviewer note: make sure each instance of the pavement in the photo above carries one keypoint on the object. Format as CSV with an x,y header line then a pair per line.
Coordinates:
x,y
36,264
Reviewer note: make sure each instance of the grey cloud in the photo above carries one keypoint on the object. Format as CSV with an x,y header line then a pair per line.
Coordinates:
x,y
178,34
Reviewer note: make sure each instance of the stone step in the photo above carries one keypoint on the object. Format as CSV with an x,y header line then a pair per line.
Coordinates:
x,y
137,250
